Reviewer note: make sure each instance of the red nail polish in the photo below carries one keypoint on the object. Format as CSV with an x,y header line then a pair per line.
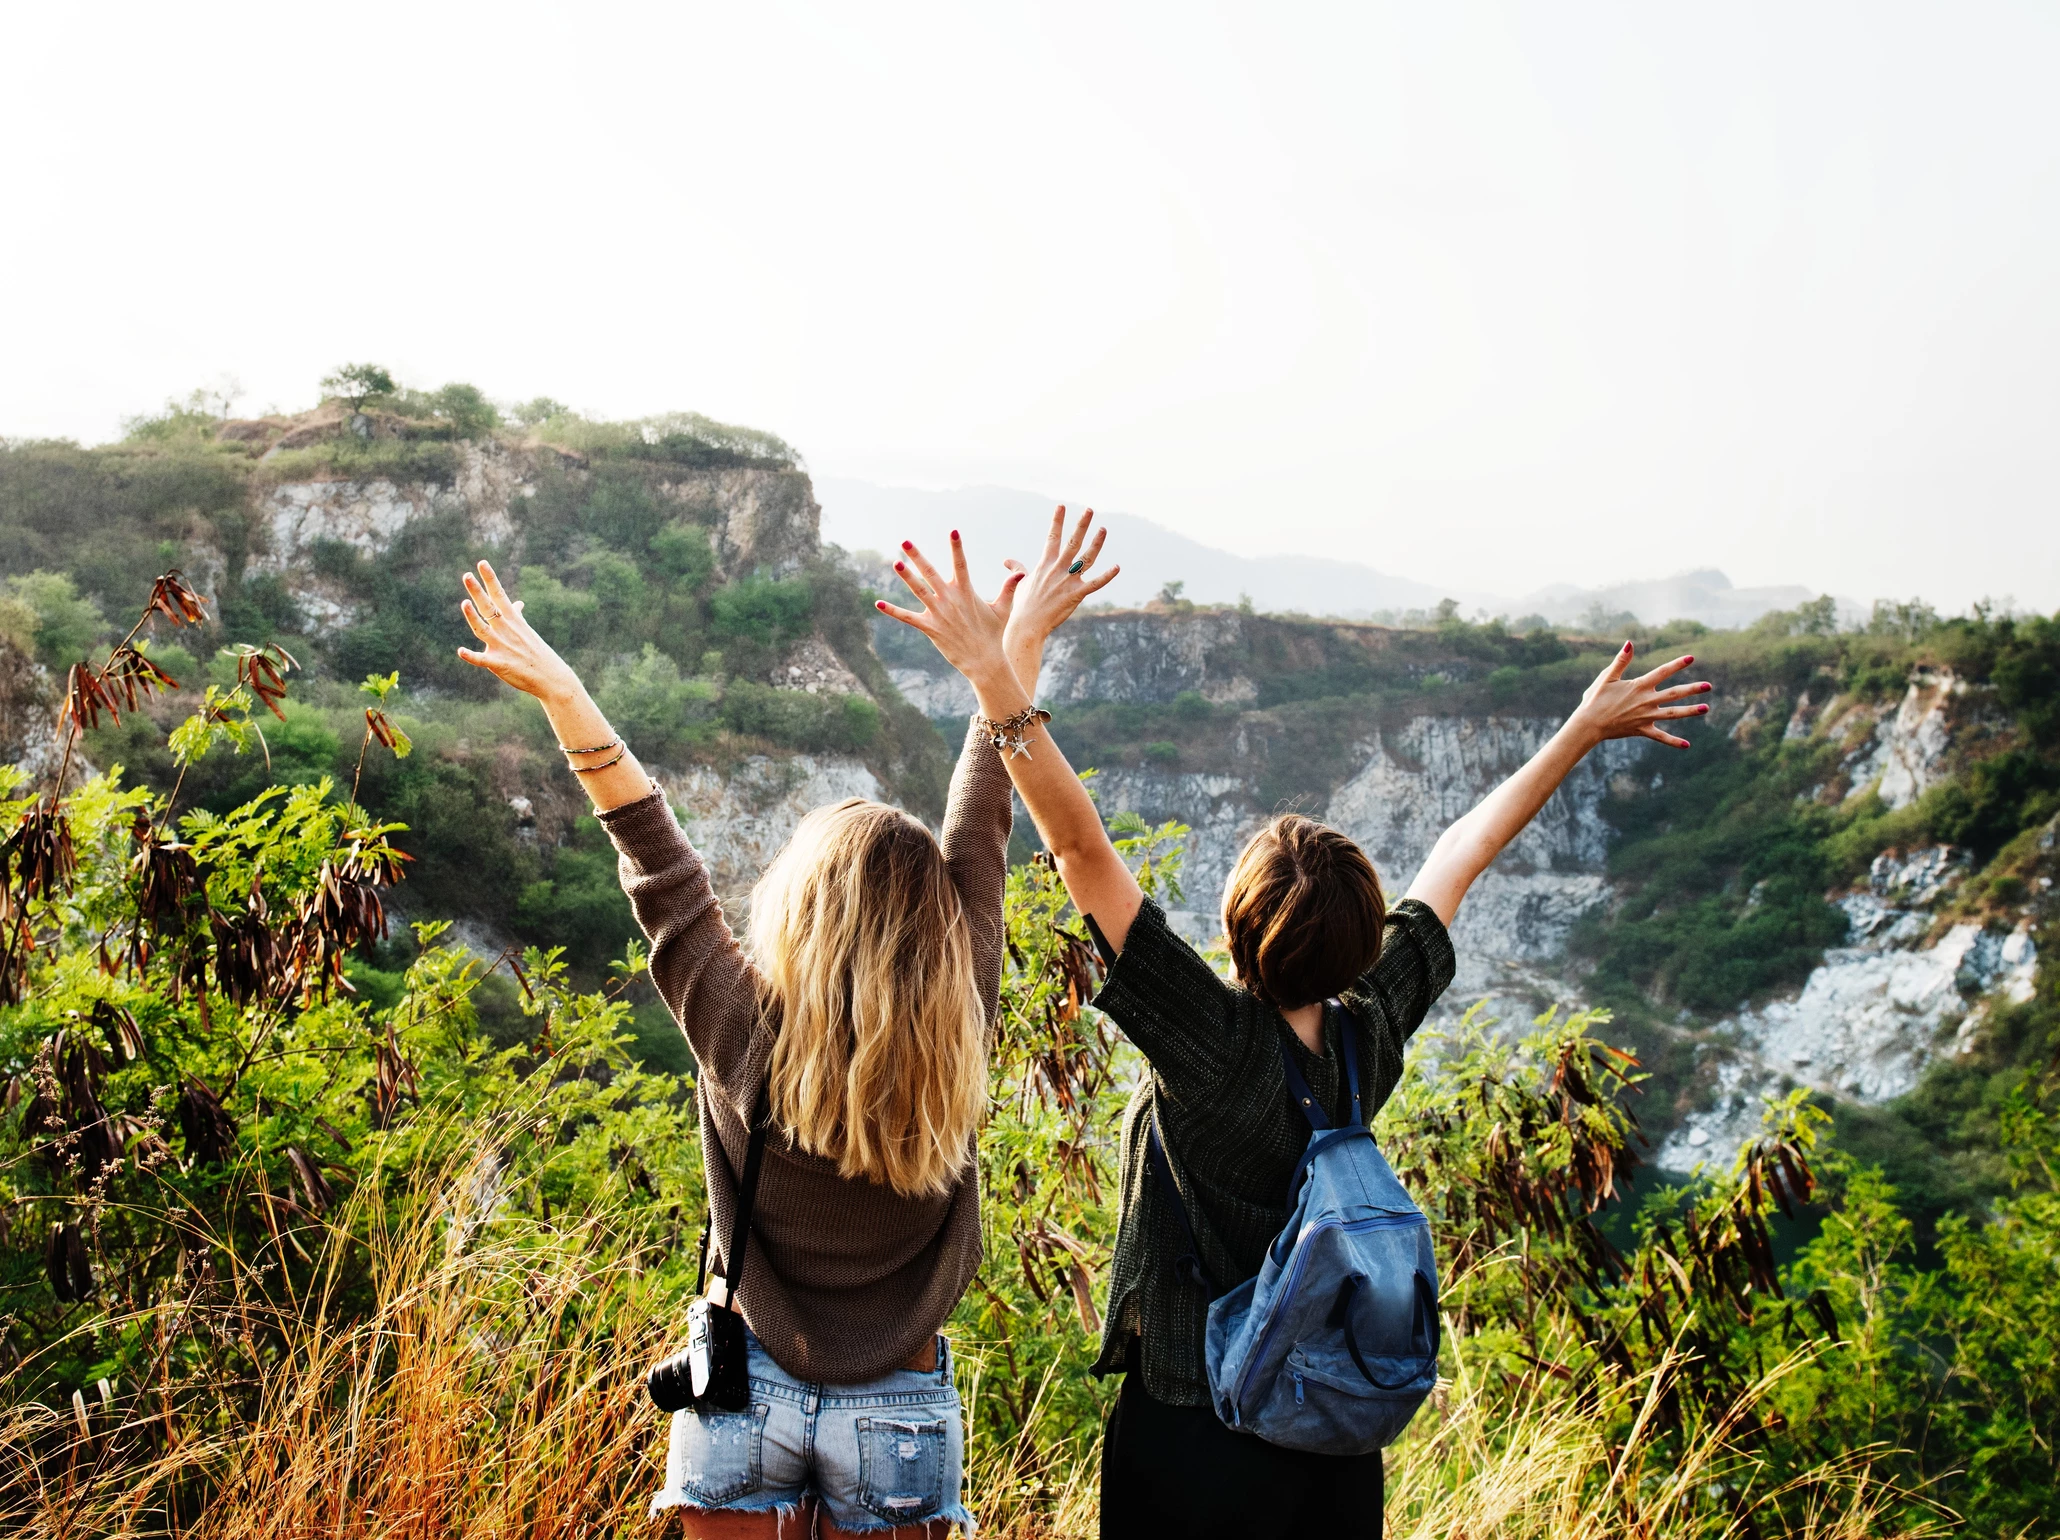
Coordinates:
x,y
954,534
908,545
1704,710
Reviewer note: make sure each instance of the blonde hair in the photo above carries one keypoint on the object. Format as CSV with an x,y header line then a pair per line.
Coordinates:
x,y
866,970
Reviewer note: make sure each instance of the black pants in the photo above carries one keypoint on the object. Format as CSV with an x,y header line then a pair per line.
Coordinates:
x,y
1177,1471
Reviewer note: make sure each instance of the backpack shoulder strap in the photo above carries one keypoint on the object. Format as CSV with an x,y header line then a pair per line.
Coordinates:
x,y
1298,1083
1188,1265
1348,1045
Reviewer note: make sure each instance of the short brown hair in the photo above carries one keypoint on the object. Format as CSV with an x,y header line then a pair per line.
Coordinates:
x,y
1303,913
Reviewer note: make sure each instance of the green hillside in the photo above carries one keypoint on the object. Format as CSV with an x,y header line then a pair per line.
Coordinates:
x,y
611,550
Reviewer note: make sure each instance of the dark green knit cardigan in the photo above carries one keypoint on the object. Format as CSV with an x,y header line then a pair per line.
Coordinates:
x,y
1232,1134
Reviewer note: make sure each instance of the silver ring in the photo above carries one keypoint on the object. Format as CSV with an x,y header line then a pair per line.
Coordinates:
x,y
1074,570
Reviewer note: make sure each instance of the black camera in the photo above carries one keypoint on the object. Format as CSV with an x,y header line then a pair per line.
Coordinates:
x,y
712,1373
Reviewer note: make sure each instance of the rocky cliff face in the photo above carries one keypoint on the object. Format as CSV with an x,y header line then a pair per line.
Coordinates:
x,y
1909,985
1405,784
764,521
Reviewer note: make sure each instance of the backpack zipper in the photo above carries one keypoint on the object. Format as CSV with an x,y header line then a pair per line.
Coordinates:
x,y
1273,1321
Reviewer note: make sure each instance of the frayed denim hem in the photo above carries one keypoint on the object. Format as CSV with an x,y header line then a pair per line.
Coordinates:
x,y
750,1502
867,1524
873,1524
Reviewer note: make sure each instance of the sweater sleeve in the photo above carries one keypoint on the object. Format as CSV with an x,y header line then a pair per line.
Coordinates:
x,y
698,968
1170,1003
977,818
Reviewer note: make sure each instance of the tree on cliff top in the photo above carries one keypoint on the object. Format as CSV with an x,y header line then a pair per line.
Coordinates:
x,y
357,384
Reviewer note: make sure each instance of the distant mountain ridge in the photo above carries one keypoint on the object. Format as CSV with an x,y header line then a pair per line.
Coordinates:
x,y
1003,521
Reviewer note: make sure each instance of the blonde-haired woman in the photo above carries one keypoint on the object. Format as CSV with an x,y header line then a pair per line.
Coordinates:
x,y
858,1018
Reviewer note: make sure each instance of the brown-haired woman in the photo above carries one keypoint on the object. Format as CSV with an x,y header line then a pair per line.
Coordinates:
x,y
858,1020
1306,924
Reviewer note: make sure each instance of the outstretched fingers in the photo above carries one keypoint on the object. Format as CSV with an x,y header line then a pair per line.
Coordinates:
x,y
1102,580
1056,533
476,622
914,618
494,590
930,574
914,581
1079,534
1094,547
1681,691
1664,671
959,574
1661,735
1619,663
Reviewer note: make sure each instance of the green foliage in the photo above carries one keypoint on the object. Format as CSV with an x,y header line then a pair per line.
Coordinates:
x,y
1958,1365
653,706
794,719
765,610
580,907
358,384
1817,617
675,438
63,624
181,423
1726,874
1997,797
681,551
461,410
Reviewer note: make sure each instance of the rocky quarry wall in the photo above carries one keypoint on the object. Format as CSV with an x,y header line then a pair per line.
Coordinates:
x,y
1904,989
763,521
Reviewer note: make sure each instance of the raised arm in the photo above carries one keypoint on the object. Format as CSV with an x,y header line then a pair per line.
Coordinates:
x,y
991,644
1613,707
696,965
516,655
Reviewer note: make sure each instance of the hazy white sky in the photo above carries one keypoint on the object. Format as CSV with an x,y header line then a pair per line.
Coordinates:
x,y
1488,295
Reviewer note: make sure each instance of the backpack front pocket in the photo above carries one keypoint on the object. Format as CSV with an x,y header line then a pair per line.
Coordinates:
x,y
901,1468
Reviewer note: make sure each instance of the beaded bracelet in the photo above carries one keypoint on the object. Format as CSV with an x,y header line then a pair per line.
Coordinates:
x,y
1012,736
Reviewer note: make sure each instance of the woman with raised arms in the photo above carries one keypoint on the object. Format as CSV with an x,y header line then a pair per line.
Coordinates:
x,y
853,1028
1306,924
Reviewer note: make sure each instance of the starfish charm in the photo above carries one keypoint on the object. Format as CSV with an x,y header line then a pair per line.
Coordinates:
x,y
1019,747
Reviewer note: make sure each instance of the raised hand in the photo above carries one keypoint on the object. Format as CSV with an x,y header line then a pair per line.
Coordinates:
x,y
1057,585
1616,707
966,628
514,652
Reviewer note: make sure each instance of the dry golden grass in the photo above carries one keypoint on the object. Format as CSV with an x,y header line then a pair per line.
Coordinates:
x,y
495,1391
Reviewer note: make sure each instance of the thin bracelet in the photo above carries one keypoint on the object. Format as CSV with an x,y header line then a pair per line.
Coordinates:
x,y
596,749
621,749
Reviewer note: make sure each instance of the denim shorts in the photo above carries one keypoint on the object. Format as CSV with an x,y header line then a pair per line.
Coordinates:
x,y
889,1452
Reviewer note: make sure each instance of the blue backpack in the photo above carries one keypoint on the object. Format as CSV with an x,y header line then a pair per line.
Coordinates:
x,y
1334,1345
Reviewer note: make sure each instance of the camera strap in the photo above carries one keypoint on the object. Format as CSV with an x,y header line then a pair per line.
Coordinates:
x,y
740,1222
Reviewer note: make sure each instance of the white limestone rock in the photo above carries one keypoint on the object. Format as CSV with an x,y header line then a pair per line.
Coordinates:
x,y
738,823
1907,756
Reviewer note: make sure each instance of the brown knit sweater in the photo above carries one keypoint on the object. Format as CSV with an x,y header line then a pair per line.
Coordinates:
x,y
843,1280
